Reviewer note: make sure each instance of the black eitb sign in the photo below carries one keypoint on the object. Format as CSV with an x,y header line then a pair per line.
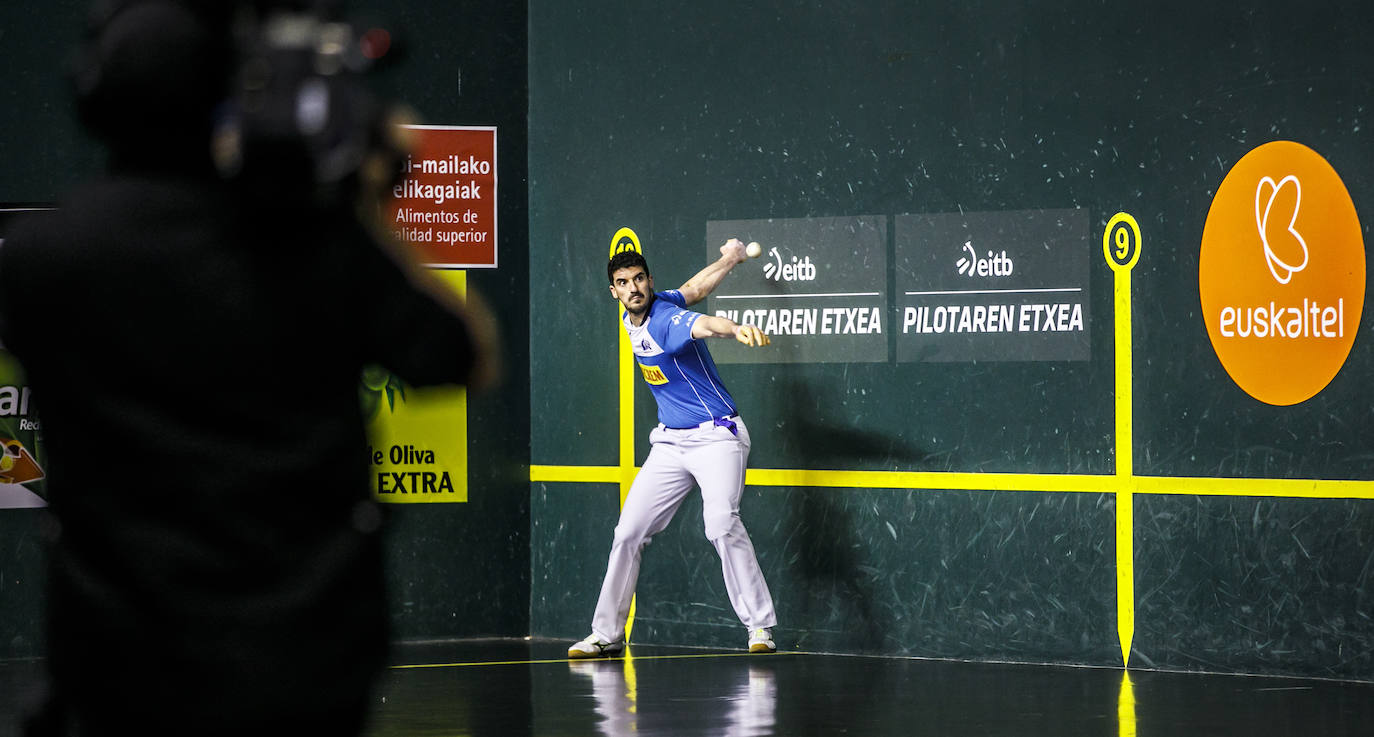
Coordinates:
x,y
819,289
992,286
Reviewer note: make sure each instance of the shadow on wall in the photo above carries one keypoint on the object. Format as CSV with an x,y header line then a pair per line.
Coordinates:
x,y
826,545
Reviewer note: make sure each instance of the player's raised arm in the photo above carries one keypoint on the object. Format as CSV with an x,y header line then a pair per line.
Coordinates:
x,y
709,326
705,281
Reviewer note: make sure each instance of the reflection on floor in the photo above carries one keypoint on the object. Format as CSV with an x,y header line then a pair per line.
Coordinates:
x,y
509,688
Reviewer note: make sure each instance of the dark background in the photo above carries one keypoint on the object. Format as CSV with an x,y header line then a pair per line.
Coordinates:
x,y
455,569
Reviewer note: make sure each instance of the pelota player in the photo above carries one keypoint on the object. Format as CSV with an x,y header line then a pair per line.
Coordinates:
x,y
700,439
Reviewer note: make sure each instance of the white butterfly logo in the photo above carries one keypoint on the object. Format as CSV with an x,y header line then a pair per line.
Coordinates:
x,y
1266,195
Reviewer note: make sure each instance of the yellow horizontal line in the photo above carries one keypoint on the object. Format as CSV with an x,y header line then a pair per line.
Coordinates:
x,y
605,474
1092,483
862,479
1307,488
927,480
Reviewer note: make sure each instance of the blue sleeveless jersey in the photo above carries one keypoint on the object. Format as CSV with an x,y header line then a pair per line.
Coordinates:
x,y
677,367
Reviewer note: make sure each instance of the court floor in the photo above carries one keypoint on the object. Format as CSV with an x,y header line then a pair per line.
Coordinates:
x,y
513,687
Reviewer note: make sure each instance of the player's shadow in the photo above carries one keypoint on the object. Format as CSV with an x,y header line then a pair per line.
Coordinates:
x,y
836,595
830,533
820,444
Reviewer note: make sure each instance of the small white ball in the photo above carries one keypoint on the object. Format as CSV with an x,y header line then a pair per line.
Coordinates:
x,y
753,250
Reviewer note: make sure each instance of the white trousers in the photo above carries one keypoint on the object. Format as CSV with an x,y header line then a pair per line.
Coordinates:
x,y
713,458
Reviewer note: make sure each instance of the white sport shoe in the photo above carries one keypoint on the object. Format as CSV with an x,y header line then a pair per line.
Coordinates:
x,y
592,647
761,641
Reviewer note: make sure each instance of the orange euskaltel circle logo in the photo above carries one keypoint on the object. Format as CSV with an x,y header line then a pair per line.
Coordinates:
x,y
1282,273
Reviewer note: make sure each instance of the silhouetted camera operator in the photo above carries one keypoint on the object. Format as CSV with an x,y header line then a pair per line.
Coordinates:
x,y
193,325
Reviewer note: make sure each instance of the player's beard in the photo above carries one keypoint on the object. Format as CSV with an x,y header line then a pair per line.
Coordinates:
x,y
643,308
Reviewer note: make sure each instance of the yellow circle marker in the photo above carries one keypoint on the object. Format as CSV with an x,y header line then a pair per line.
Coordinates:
x,y
624,240
1121,242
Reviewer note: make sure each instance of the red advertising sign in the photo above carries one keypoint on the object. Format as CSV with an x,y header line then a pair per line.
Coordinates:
x,y
446,205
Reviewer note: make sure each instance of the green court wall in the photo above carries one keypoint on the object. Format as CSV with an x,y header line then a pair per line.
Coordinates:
x,y
662,118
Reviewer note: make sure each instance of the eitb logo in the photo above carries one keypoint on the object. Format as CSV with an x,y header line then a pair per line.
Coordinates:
x,y
1281,274
779,270
996,264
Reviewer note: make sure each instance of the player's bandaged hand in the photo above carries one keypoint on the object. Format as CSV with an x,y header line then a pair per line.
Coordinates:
x,y
751,336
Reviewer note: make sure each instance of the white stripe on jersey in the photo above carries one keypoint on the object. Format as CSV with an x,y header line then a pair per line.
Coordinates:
x,y
696,346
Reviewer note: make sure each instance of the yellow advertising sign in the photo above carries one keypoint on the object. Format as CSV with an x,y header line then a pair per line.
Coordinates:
x,y
22,457
417,438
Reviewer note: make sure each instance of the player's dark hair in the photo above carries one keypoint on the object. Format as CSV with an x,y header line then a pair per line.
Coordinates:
x,y
625,260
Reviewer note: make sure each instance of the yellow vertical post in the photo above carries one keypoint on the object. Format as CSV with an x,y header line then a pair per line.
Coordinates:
x,y
1125,502
623,240
1121,246
627,431
627,413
